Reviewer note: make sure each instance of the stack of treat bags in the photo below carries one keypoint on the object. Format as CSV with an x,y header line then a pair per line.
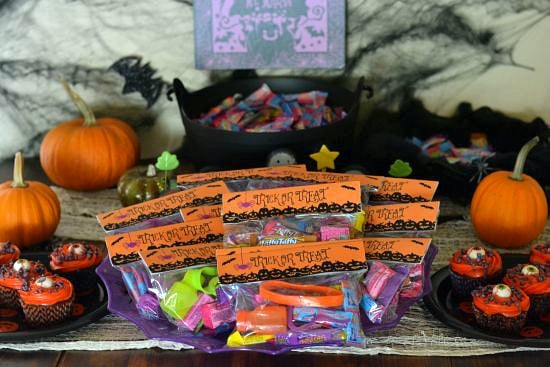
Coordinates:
x,y
276,258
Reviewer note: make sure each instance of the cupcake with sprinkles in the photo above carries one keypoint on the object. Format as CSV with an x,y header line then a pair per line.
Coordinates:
x,y
472,268
15,276
77,262
500,308
540,255
533,281
8,252
47,300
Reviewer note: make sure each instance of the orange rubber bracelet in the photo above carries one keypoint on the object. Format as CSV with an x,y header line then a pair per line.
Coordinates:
x,y
309,295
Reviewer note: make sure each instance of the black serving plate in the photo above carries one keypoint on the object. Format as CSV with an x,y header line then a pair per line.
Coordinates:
x,y
87,309
457,313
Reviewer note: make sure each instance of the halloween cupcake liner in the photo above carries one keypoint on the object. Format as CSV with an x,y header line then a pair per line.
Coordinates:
x,y
9,297
463,287
500,323
41,315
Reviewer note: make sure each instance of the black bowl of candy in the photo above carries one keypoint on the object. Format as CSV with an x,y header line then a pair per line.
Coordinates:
x,y
239,122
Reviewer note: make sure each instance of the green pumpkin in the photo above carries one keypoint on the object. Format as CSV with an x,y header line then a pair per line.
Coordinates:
x,y
140,184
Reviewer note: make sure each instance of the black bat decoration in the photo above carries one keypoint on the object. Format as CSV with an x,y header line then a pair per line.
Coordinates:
x,y
233,198
116,241
348,187
427,207
108,215
417,242
351,247
139,78
231,253
151,253
192,211
229,261
425,185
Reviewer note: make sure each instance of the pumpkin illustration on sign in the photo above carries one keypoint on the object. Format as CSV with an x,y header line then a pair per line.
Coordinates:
x,y
509,209
88,153
30,209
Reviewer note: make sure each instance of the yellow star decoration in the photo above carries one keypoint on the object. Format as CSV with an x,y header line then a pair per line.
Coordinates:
x,y
324,158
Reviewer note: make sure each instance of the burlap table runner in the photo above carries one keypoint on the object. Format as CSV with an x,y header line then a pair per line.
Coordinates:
x,y
418,333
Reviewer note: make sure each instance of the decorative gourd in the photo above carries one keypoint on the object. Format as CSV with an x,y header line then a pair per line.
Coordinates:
x,y
509,209
30,209
88,153
140,184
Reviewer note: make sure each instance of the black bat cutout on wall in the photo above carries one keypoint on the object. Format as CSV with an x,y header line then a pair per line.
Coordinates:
x,y
139,78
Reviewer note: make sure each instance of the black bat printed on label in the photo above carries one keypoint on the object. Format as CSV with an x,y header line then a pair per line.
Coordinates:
x,y
351,247
348,187
427,206
233,198
192,211
229,261
425,185
108,215
417,242
117,241
151,253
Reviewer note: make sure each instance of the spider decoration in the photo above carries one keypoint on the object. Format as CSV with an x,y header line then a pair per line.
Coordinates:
x,y
481,167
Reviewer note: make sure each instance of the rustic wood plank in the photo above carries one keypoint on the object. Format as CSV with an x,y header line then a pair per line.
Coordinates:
x,y
157,357
531,359
29,359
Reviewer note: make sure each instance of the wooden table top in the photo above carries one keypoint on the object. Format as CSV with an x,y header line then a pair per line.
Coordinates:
x,y
189,358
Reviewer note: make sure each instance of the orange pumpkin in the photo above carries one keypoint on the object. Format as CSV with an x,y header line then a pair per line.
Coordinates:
x,y
30,210
509,209
88,153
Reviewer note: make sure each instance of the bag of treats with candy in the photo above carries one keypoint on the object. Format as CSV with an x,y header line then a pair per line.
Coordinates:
x,y
124,250
293,296
161,211
239,180
292,215
185,280
398,276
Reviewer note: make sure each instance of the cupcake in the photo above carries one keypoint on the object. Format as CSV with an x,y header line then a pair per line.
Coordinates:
x,y
540,255
47,300
500,308
473,268
77,262
8,252
14,276
534,281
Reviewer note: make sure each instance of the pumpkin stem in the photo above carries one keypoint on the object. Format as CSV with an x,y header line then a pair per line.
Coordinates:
x,y
522,156
151,172
18,171
85,110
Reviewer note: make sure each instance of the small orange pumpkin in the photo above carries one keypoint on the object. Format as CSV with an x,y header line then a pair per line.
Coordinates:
x,y
509,209
30,210
88,153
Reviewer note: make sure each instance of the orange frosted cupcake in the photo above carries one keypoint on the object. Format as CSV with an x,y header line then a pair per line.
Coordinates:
x,y
47,300
534,281
540,255
472,268
77,262
8,252
15,276
500,308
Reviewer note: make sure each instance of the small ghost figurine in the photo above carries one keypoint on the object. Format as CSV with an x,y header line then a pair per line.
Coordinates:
x,y
281,157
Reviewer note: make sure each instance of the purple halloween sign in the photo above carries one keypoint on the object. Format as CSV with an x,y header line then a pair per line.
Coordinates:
x,y
269,34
